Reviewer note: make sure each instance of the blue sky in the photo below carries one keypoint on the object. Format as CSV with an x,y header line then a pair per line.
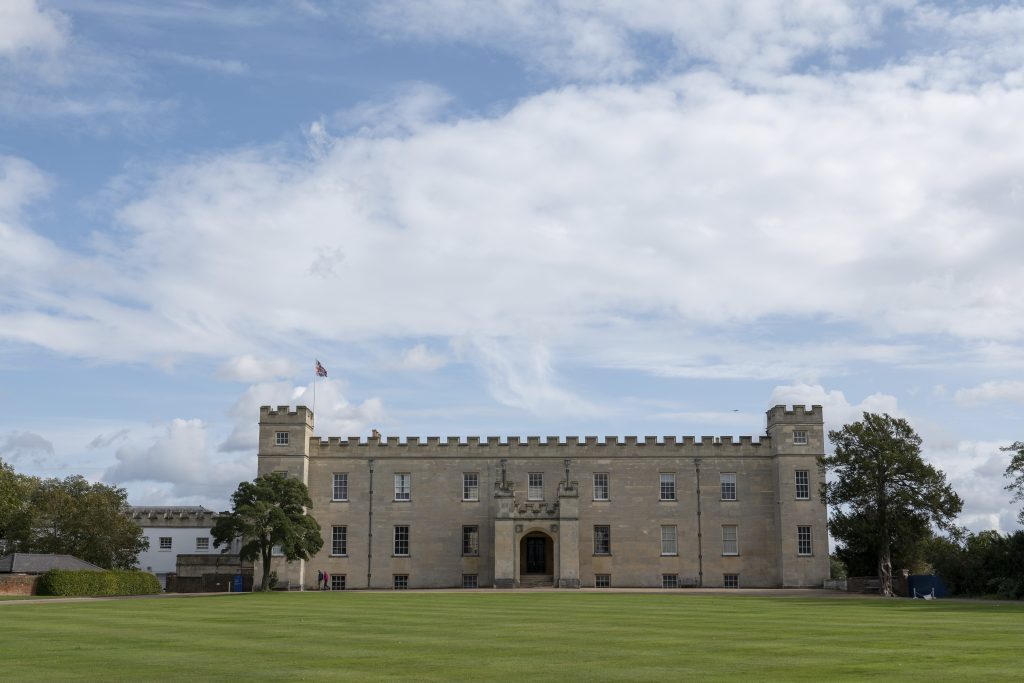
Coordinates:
x,y
505,218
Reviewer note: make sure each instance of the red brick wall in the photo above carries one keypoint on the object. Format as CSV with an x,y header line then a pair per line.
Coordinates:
x,y
18,584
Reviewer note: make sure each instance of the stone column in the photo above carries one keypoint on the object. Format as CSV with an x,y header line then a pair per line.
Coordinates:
x,y
568,535
504,538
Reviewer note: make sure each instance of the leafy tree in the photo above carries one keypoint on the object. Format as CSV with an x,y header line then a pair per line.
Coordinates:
x,y
74,517
270,511
14,492
882,492
1015,473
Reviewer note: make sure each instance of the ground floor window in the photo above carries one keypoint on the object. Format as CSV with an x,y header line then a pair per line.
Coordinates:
x,y
731,580
337,582
602,580
670,580
469,581
400,582
803,540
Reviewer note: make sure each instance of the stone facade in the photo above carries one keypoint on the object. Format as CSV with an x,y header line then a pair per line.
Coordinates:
x,y
714,512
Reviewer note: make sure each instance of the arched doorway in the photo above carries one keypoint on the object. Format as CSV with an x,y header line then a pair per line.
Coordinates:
x,y
536,555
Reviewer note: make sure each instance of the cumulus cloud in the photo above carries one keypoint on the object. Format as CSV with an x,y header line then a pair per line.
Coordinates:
x,y
836,408
334,415
26,27
1001,391
179,457
26,448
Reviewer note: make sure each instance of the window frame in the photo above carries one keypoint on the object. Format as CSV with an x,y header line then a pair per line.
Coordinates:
x,y
602,540
280,438
802,490
665,494
735,540
339,540
799,437
470,581
727,486
202,544
602,580
403,487
398,541
728,579
804,540
532,489
339,481
670,580
165,547
400,582
337,582
604,487
674,541
471,491
470,540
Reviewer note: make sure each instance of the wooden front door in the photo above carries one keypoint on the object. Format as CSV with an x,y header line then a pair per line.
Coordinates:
x,y
535,563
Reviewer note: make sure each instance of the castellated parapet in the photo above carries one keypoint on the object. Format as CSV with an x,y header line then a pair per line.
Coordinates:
x,y
572,511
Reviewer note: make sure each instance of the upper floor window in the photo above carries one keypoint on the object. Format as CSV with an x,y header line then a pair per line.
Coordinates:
x,y
535,489
602,540
340,489
668,486
202,544
730,540
600,486
470,486
803,485
165,543
799,437
728,483
403,486
803,540
281,439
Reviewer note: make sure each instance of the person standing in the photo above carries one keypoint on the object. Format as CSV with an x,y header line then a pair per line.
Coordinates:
x,y
319,578
327,581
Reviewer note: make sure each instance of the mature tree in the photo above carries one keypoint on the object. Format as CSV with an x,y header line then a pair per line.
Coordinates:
x,y
75,517
1015,473
14,493
881,491
270,511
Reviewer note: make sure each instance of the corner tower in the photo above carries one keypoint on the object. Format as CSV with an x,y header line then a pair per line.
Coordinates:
x,y
797,441
284,441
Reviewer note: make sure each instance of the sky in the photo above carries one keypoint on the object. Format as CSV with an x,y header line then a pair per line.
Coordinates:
x,y
517,217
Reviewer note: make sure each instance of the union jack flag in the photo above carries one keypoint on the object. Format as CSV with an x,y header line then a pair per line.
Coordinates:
x,y
320,370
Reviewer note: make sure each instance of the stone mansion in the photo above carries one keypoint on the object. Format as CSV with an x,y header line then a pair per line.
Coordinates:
x,y
570,513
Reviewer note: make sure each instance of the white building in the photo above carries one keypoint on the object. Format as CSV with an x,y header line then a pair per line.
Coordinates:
x,y
173,531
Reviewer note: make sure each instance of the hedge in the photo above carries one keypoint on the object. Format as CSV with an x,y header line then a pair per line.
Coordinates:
x,y
85,582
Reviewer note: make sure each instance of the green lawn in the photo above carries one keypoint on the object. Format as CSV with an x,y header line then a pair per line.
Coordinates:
x,y
508,636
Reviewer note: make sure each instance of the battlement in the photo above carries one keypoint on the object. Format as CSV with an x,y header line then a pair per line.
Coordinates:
x,y
537,442
285,415
798,414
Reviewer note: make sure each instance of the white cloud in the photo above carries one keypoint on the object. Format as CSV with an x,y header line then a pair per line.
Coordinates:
x,y
521,376
420,358
26,448
179,457
248,368
334,415
26,27
836,408
1000,391
605,39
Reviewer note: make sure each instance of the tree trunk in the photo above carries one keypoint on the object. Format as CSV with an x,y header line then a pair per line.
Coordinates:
x,y
885,572
265,581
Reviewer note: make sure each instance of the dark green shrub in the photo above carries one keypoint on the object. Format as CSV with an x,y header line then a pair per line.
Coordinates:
x,y
92,583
